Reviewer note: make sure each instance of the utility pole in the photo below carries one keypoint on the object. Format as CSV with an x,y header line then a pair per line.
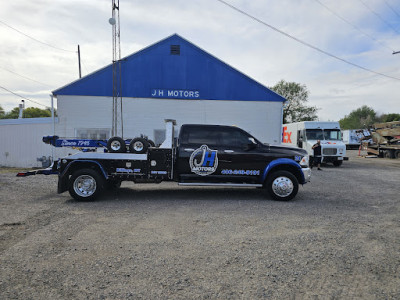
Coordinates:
x,y
79,62
117,119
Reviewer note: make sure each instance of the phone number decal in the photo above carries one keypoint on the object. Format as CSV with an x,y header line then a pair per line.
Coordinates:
x,y
240,172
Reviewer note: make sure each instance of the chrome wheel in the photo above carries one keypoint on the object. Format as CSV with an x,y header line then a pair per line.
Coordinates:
x,y
282,186
116,146
138,146
85,186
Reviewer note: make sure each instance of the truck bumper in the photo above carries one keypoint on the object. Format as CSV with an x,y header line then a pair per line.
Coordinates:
x,y
329,159
307,174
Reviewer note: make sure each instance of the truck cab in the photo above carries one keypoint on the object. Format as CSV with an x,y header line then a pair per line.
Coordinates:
x,y
305,134
215,153
228,155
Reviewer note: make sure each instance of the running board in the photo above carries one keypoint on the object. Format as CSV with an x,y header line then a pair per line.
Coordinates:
x,y
219,184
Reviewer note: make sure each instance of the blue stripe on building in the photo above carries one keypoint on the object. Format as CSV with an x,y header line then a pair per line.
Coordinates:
x,y
173,68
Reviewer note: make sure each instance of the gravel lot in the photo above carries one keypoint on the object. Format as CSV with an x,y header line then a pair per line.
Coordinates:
x,y
338,239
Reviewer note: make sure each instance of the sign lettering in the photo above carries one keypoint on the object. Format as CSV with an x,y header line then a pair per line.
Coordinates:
x,y
175,94
286,136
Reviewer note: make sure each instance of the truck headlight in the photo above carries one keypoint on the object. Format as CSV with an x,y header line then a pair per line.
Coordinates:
x,y
304,161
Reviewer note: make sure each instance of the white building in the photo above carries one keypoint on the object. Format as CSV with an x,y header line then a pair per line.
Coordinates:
x,y
21,142
172,79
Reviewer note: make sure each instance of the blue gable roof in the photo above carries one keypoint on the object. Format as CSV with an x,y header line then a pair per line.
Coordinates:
x,y
159,71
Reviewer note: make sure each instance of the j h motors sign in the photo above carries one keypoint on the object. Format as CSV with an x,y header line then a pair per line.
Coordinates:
x,y
175,94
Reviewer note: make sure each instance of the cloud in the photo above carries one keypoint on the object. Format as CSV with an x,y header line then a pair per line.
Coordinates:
x,y
256,50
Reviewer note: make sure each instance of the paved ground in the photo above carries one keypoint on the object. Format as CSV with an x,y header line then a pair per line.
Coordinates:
x,y
339,239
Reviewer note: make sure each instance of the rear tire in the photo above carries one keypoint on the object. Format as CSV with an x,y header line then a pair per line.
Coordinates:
x,y
388,154
116,144
282,185
86,185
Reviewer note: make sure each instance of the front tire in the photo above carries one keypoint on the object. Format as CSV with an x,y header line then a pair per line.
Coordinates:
x,y
282,185
85,185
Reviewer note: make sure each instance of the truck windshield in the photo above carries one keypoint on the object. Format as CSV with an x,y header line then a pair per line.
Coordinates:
x,y
332,134
314,134
323,134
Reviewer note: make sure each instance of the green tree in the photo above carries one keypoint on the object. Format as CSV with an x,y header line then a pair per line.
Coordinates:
x,y
389,118
295,108
30,112
2,113
359,118
34,112
13,114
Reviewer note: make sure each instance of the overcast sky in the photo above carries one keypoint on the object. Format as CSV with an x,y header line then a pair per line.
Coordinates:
x,y
360,32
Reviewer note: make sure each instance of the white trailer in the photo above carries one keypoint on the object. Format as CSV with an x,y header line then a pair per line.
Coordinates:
x,y
352,137
305,134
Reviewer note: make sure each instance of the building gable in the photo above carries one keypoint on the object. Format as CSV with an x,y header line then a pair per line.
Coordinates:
x,y
173,68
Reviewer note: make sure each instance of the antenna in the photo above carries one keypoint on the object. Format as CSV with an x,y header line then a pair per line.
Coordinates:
x,y
117,121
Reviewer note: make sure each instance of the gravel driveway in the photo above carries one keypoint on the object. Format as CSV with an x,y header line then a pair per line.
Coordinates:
x,y
338,239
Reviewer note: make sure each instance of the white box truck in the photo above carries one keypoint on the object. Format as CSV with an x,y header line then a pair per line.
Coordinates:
x,y
305,134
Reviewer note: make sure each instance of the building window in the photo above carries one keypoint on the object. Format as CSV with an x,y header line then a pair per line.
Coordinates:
x,y
92,133
175,49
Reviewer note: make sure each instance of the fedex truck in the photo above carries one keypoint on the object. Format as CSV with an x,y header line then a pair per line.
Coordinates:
x,y
305,134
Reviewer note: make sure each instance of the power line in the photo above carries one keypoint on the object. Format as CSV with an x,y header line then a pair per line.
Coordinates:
x,y
305,43
379,16
352,25
25,77
36,40
11,92
392,9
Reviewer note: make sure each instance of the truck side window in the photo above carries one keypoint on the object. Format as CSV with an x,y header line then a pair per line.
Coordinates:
x,y
234,138
201,136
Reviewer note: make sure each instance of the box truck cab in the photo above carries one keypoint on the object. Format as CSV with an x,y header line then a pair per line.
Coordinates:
x,y
305,134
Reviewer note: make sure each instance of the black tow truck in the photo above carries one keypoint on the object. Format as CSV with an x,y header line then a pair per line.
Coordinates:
x,y
203,155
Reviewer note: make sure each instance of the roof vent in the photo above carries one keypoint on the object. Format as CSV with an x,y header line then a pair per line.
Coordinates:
x,y
175,49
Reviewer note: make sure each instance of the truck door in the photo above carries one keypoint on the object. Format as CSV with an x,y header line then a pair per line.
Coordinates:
x,y
300,138
200,155
220,154
246,157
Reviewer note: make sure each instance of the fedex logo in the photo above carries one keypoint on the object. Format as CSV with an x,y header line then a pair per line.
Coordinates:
x,y
286,135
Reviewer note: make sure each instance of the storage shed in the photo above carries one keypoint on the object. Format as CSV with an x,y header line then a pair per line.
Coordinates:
x,y
171,79
21,142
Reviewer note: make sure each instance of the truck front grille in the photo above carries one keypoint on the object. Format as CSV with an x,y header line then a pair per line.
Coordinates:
x,y
329,151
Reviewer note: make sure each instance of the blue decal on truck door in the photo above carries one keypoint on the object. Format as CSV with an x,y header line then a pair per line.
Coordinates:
x,y
203,161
